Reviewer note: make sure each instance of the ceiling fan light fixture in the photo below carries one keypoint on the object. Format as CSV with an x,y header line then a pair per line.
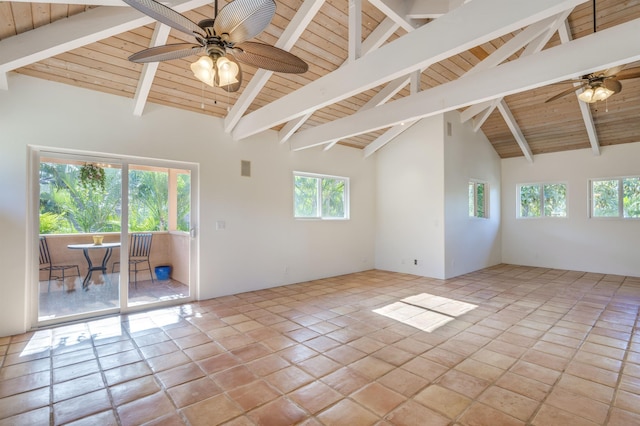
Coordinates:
x,y
203,70
595,93
227,72
218,71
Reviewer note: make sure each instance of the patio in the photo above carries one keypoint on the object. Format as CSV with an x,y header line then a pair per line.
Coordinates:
x,y
103,294
68,298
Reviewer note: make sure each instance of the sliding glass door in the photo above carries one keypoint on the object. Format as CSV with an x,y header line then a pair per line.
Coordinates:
x,y
112,235
159,234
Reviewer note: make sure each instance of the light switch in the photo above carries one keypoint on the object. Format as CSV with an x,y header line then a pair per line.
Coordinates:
x,y
220,225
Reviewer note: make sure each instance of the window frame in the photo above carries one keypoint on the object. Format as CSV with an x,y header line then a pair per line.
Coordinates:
x,y
319,201
485,201
541,196
620,201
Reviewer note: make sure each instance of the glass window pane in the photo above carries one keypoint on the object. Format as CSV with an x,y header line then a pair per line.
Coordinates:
x,y
631,200
480,200
605,198
555,200
530,201
305,196
70,205
148,200
332,197
472,207
184,202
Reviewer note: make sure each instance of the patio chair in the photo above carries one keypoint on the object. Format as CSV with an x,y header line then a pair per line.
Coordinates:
x,y
46,264
139,251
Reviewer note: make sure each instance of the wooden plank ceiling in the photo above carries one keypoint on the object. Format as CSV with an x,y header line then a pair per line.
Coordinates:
x,y
324,45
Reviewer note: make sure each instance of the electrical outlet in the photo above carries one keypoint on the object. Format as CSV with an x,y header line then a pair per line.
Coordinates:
x,y
415,261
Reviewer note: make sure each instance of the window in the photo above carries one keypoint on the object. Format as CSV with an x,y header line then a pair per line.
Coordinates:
x,y
543,200
616,197
320,197
478,195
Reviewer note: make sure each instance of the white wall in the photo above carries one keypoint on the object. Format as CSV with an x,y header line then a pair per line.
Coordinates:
x,y
470,243
262,244
576,242
423,200
410,194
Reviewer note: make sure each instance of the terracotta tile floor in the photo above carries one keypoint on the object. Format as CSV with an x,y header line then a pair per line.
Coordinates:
x,y
507,345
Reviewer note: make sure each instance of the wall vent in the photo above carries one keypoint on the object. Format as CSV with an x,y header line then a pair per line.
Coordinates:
x,y
245,168
448,128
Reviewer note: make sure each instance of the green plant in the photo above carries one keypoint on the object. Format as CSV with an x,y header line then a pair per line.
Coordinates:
x,y
92,176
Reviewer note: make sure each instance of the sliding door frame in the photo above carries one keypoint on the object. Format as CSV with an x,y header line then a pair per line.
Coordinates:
x,y
33,231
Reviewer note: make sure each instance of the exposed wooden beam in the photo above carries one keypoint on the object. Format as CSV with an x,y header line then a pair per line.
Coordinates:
x,y
400,57
396,10
387,92
382,32
288,38
159,37
427,9
290,128
523,39
565,36
355,29
76,31
479,119
616,46
515,130
387,137
533,38
474,110
379,35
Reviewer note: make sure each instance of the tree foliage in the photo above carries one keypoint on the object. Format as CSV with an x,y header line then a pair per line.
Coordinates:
x,y
549,200
530,201
606,197
319,197
69,206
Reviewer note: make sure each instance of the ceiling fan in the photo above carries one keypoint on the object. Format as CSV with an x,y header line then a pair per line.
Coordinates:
x,y
221,42
599,85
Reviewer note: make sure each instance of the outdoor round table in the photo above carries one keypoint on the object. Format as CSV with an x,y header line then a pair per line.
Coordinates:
x,y
107,247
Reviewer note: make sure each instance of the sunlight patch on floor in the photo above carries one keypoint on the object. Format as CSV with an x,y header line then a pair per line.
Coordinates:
x,y
425,311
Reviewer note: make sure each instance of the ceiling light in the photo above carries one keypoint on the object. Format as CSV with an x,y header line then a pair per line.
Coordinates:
x,y
203,70
594,93
228,75
218,71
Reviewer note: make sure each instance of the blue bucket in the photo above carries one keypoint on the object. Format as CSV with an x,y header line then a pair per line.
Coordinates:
x,y
162,272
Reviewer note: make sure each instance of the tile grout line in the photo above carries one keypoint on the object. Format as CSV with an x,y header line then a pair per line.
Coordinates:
x,y
622,367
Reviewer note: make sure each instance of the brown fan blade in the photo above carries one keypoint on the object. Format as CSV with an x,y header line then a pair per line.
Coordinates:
x,y
612,84
166,15
244,19
167,52
566,92
628,73
610,72
269,57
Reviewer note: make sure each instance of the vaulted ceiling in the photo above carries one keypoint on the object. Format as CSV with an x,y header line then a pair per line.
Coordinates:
x,y
375,67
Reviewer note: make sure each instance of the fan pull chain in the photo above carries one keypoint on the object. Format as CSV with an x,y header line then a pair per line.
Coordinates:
x,y
202,101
